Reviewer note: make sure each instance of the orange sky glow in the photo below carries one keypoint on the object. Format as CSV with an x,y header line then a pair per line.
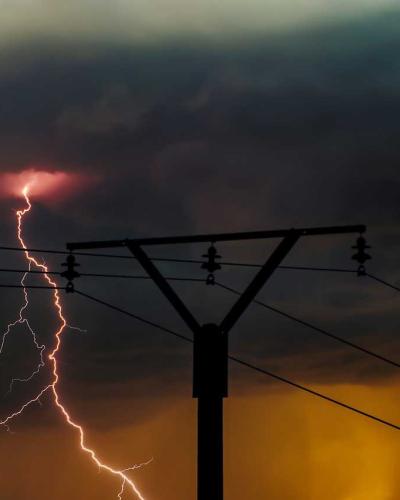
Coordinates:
x,y
278,444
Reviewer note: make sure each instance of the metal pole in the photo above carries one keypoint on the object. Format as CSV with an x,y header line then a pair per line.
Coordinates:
x,y
210,381
210,459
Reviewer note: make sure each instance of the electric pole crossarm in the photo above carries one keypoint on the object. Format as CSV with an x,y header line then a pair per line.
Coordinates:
x,y
201,238
259,280
164,286
252,235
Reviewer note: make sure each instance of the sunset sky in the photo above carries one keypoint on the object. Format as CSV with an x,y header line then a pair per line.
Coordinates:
x,y
153,118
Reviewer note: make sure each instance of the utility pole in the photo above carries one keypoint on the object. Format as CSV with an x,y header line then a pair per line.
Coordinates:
x,y
210,352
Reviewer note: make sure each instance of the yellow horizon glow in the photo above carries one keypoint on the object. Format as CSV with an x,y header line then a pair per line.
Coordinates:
x,y
279,444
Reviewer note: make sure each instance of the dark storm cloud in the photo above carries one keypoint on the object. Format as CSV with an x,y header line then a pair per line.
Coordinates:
x,y
317,109
295,129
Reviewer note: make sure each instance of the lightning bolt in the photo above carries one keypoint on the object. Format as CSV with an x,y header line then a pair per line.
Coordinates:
x,y
52,357
21,319
121,491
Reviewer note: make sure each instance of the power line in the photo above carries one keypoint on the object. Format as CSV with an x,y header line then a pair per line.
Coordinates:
x,y
29,271
97,275
232,358
324,269
383,282
135,316
246,363
175,260
314,393
91,254
136,276
201,280
62,252
316,328
40,287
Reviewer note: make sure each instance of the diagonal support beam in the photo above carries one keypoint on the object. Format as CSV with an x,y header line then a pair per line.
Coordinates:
x,y
164,286
259,280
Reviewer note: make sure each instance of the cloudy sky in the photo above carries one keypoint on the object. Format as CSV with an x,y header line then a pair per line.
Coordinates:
x,y
185,117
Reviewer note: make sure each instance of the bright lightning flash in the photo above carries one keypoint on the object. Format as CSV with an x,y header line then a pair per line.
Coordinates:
x,y
52,387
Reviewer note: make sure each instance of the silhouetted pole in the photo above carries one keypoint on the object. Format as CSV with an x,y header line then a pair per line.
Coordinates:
x,y
210,386
210,352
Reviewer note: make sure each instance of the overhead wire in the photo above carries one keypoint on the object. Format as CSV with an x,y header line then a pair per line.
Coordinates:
x,y
315,328
100,275
314,393
383,282
38,287
132,315
176,260
246,363
302,322
188,339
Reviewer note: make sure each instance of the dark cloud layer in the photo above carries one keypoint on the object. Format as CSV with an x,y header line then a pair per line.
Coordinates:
x,y
287,130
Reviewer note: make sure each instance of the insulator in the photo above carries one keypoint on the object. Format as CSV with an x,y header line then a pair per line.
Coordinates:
x,y
70,272
361,256
361,243
211,255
